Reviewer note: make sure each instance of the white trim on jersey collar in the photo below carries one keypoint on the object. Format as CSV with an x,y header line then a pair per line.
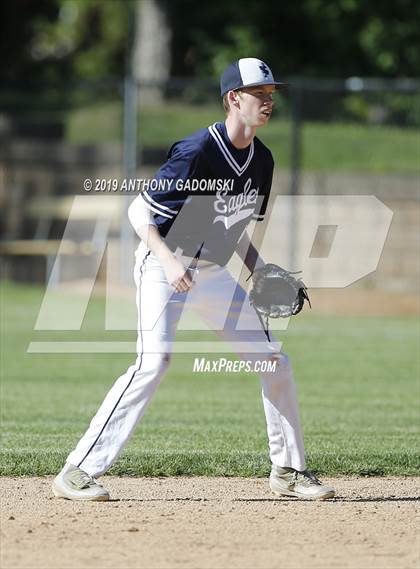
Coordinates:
x,y
239,170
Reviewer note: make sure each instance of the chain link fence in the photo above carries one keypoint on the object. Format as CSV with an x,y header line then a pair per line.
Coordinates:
x,y
343,137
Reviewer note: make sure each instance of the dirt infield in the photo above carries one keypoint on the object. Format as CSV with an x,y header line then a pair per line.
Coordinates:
x,y
210,523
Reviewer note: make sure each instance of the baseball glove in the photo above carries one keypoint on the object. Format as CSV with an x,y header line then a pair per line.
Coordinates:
x,y
276,293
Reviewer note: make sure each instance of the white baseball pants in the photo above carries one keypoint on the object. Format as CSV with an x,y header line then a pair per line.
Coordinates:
x,y
159,310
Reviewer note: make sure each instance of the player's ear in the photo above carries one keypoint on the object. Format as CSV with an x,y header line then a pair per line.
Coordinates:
x,y
233,97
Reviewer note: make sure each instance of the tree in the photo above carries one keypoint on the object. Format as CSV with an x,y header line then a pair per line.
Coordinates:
x,y
55,41
322,38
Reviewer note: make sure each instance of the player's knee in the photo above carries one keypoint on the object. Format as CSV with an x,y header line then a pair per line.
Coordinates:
x,y
163,361
155,364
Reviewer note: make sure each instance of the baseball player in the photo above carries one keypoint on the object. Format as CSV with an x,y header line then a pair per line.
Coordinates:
x,y
187,238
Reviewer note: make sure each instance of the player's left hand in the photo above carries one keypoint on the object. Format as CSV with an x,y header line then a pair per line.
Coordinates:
x,y
178,276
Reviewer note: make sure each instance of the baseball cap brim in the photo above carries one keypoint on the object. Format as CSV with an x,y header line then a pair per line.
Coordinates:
x,y
277,84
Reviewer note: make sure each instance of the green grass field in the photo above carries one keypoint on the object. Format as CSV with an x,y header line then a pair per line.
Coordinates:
x,y
356,377
326,146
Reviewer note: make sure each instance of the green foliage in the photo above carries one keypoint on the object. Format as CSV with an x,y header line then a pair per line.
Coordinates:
x,y
390,108
404,109
356,107
241,41
320,38
99,57
387,40
356,380
71,39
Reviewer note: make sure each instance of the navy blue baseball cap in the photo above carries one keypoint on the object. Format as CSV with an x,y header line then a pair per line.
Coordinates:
x,y
247,72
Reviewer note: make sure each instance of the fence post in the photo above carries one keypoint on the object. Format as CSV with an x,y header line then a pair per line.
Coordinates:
x,y
295,167
129,166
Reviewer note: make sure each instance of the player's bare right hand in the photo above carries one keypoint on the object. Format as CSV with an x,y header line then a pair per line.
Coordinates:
x,y
178,276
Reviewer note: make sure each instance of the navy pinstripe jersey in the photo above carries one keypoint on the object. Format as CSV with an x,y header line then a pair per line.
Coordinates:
x,y
208,193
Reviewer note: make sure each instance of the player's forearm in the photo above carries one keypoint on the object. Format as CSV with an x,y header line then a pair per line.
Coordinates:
x,y
176,274
142,220
247,252
150,235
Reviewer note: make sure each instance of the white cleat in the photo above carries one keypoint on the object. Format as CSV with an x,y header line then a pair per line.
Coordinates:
x,y
291,482
72,483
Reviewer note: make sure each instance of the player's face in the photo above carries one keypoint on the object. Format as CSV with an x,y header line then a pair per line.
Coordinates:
x,y
256,104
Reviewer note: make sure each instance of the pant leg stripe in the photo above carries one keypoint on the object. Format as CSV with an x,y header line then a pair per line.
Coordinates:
x,y
132,376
